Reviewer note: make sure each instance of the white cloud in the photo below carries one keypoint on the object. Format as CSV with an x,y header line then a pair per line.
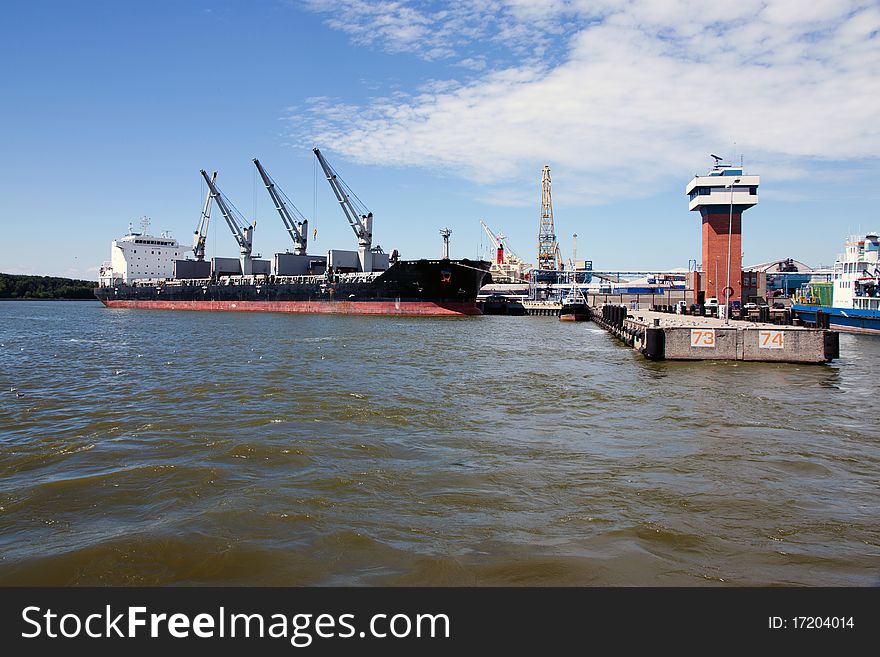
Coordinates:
x,y
440,31
643,93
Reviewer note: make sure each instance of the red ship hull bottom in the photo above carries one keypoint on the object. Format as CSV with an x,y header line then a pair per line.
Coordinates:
x,y
420,308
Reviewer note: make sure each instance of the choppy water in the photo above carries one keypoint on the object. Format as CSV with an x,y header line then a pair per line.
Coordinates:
x,y
155,447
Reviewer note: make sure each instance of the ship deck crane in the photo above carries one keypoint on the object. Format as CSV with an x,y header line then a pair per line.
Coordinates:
x,y
500,244
298,226
359,217
201,234
241,230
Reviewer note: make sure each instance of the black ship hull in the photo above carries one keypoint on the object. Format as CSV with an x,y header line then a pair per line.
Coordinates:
x,y
408,287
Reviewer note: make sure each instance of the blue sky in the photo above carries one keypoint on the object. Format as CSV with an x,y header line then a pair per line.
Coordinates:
x,y
437,114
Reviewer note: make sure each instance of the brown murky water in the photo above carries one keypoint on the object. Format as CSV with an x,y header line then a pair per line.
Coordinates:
x,y
155,447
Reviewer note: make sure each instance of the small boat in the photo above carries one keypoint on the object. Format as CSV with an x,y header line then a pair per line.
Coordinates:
x,y
574,305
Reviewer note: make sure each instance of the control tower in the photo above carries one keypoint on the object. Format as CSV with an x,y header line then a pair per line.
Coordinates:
x,y
721,196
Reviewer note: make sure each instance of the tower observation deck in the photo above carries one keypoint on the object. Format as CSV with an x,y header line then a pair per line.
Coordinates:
x,y
721,196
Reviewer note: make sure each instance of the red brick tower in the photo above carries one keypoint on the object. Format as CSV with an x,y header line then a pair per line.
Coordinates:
x,y
722,196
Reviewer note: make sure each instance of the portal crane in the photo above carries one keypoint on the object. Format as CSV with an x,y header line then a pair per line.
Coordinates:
x,y
241,230
297,227
548,247
201,232
359,217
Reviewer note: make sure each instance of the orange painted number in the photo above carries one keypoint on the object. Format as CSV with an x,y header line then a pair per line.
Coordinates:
x,y
771,339
703,338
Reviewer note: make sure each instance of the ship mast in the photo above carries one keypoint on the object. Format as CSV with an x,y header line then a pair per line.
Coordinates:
x,y
445,233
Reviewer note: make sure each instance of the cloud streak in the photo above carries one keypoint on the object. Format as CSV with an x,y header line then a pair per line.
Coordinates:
x,y
644,91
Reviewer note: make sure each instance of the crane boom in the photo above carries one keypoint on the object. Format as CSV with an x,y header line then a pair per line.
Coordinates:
x,y
243,233
201,234
500,242
361,222
298,230
492,237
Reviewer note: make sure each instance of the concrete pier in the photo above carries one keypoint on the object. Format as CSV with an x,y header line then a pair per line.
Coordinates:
x,y
661,336
542,308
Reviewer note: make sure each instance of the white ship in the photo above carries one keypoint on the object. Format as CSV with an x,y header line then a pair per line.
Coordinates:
x,y
851,298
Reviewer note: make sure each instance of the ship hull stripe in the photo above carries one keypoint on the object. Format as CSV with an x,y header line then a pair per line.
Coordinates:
x,y
419,308
846,320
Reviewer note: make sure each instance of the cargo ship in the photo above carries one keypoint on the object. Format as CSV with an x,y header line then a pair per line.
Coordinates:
x,y
147,271
850,301
407,287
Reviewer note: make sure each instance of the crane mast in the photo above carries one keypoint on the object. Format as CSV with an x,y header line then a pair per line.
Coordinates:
x,y
360,219
201,233
241,230
548,247
298,230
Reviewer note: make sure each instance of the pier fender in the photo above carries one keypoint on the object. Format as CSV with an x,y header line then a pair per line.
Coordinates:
x,y
831,345
655,344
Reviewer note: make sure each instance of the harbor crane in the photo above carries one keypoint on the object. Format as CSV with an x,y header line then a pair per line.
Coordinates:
x,y
548,247
201,233
241,230
359,217
297,227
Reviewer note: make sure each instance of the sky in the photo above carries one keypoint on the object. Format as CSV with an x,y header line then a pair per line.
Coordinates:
x,y
437,114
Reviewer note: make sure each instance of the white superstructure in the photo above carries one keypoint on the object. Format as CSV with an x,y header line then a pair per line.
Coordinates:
x,y
137,256
856,274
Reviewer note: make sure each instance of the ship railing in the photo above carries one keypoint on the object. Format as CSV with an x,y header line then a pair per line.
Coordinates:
x,y
188,282
299,280
359,277
542,302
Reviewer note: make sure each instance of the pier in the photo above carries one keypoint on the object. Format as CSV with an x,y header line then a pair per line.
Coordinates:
x,y
661,336
541,308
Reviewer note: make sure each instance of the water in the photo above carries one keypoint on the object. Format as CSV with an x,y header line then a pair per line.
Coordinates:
x,y
157,447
